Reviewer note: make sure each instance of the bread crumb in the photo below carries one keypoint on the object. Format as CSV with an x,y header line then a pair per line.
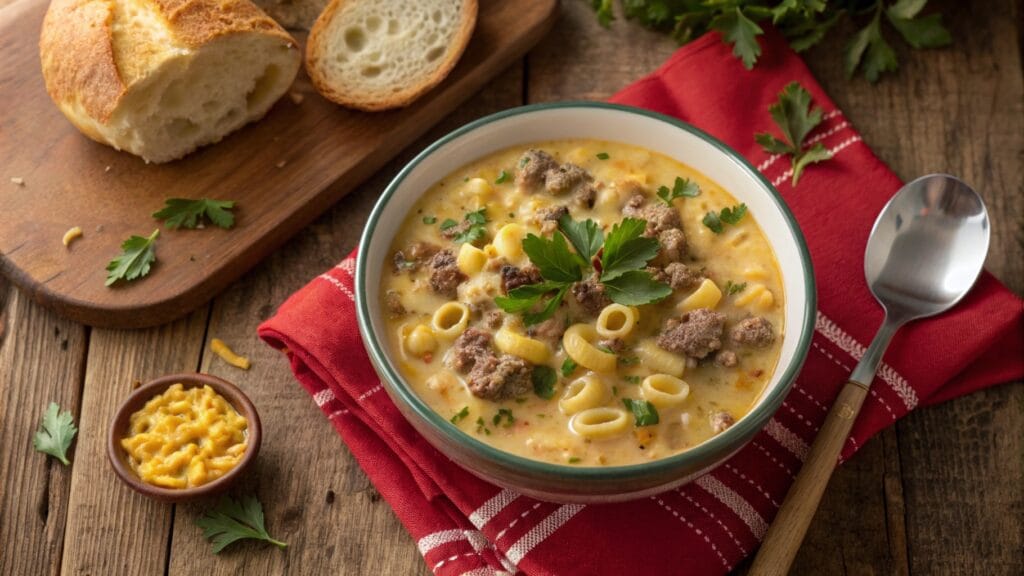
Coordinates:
x,y
107,169
99,227
18,181
221,349
296,97
282,163
71,235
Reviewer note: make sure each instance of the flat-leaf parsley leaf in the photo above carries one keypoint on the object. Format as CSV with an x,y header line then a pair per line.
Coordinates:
x,y
233,520
644,413
795,117
55,433
716,221
683,188
187,213
544,379
137,254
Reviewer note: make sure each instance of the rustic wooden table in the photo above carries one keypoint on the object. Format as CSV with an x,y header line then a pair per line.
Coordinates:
x,y
938,494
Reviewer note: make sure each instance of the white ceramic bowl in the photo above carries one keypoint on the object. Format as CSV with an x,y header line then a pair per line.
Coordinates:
x,y
601,121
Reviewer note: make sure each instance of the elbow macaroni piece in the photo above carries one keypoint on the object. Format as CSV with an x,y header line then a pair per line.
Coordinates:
x,y
508,242
582,394
420,341
659,360
471,259
707,295
617,321
664,391
535,351
601,422
450,319
577,342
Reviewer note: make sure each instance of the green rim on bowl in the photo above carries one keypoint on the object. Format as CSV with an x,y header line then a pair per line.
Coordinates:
x,y
745,426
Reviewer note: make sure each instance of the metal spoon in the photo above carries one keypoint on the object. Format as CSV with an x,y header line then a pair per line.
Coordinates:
x,y
925,252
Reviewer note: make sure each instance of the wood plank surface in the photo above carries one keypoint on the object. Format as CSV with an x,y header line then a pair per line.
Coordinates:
x,y
112,530
42,358
937,494
284,171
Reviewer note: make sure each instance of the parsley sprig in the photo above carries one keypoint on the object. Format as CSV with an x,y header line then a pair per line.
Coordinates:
x,y
55,433
623,256
683,188
137,255
795,117
233,520
188,213
475,224
716,221
803,22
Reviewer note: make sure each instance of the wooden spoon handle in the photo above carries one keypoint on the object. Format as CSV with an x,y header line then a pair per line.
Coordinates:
x,y
787,531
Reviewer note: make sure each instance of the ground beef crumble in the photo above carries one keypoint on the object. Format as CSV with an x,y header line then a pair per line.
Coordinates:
x,y
513,277
533,165
445,275
754,332
682,277
696,333
590,295
414,256
470,346
565,178
498,377
673,247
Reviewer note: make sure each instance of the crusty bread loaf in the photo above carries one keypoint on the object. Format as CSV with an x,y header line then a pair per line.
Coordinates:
x,y
159,78
380,54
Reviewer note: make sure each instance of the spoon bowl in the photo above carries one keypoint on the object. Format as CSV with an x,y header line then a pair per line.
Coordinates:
x,y
927,247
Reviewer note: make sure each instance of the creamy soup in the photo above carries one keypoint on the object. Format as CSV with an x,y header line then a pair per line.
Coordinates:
x,y
584,302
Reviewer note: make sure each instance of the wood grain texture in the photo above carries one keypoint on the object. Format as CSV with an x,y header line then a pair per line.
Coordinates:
x,y
786,533
41,361
280,171
112,530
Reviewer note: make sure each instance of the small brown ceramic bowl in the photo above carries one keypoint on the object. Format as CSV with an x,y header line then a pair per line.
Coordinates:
x,y
138,398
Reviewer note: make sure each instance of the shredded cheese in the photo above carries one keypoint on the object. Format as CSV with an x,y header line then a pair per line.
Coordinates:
x,y
71,235
221,349
18,181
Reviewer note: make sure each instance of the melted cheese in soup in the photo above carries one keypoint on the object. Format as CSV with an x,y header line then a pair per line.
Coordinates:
x,y
607,377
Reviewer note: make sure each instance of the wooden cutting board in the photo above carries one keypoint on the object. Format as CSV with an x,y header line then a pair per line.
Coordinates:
x,y
283,172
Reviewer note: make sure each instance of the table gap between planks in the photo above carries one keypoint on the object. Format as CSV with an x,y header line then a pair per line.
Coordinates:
x,y
937,494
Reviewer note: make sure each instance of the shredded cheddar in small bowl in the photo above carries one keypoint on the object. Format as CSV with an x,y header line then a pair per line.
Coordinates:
x,y
183,436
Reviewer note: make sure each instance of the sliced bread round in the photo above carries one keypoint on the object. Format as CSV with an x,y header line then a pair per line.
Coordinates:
x,y
381,54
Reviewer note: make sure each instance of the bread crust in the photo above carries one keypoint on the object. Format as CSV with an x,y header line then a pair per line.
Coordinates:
x,y
315,50
78,56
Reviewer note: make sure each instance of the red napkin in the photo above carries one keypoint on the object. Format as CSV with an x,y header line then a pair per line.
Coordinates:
x,y
465,526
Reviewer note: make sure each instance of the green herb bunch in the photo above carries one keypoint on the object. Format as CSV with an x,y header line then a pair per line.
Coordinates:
x,y
803,22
